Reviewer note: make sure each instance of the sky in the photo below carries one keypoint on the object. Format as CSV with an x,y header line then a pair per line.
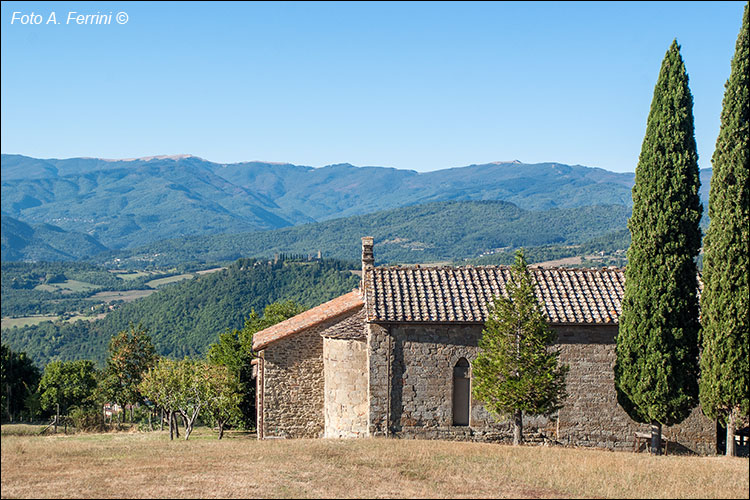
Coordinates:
x,y
421,86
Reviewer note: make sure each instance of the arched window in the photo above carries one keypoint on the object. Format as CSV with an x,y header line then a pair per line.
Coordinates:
x,y
461,385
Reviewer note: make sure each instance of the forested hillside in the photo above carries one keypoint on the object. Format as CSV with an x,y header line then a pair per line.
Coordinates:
x,y
611,246
59,287
440,231
185,317
44,242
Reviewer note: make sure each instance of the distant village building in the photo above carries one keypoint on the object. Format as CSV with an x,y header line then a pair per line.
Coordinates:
x,y
393,358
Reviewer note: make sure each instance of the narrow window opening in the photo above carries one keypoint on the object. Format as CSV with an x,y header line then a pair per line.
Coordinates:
x,y
461,389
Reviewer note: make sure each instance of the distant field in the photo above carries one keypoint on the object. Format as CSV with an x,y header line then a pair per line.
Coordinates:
x,y
87,318
172,279
148,465
69,286
27,320
207,271
130,276
35,320
127,296
566,262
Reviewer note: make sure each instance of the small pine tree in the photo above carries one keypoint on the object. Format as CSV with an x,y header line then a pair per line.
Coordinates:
x,y
725,300
516,371
656,371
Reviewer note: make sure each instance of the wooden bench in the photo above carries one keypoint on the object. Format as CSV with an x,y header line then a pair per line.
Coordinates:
x,y
645,438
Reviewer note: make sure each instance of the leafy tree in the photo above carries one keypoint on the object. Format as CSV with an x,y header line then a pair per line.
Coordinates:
x,y
224,396
273,313
231,353
656,371
184,387
234,350
161,385
516,370
193,391
131,353
20,378
68,383
725,300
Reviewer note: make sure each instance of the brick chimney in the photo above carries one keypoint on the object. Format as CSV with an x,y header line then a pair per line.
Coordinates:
x,y
368,259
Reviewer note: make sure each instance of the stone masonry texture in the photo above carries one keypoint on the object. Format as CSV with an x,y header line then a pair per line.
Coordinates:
x,y
293,382
345,387
418,401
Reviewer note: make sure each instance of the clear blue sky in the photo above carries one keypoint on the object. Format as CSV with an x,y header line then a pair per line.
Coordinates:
x,y
419,86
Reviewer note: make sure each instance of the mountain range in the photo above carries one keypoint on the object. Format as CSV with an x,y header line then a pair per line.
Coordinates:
x,y
125,204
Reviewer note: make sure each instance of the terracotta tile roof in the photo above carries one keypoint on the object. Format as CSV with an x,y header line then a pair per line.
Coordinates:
x,y
350,328
462,294
311,317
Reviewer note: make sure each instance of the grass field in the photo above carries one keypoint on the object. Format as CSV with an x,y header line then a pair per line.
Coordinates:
x,y
35,320
129,276
67,286
126,296
26,320
209,271
171,279
128,465
77,317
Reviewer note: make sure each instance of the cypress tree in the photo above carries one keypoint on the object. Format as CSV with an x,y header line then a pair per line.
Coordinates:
x,y
725,300
656,371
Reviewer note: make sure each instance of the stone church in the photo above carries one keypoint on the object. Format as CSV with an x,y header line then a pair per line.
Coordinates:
x,y
393,358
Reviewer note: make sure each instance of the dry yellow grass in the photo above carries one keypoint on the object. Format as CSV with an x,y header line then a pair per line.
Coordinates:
x,y
128,465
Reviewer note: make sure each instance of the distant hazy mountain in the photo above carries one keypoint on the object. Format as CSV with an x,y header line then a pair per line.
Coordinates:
x,y
130,203
21,241
343,190
127,203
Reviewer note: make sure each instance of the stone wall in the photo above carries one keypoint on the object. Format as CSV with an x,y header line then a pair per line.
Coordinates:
x,y
419,361
592,417
378,375
346,408
397,380
293,384
423,357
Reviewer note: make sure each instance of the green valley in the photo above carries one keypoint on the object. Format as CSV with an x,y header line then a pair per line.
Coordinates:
x,y
184,317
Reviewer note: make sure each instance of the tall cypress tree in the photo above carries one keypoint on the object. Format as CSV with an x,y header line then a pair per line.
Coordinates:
x,y
725,301
656,371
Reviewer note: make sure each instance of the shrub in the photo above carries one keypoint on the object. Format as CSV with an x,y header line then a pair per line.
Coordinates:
x,y
87,419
